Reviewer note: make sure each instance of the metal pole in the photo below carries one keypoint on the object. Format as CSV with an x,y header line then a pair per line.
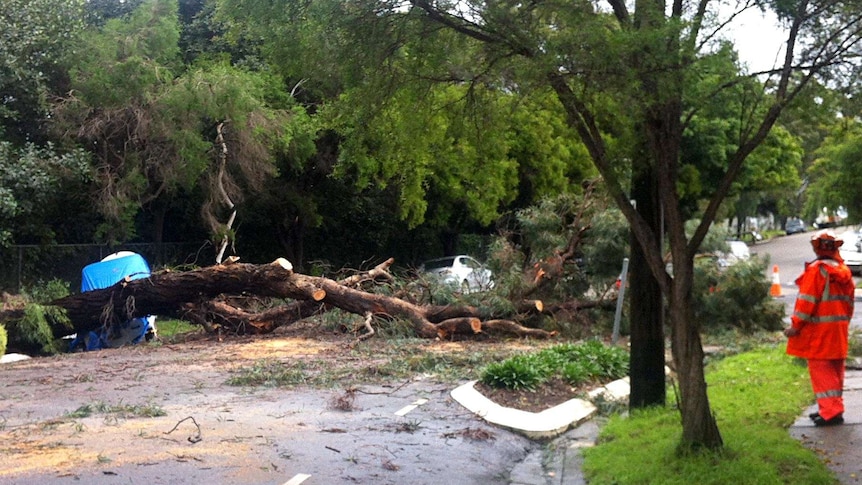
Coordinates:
x,y
20,266
620,297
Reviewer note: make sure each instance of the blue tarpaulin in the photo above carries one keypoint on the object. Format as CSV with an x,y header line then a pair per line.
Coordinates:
x,y
106,273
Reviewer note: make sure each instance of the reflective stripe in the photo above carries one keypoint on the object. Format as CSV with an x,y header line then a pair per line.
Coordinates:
x,y
809,298
822,318
802,316
830,319
831,393
825,274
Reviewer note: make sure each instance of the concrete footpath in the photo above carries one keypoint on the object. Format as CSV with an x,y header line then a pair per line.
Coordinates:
x,y
840,447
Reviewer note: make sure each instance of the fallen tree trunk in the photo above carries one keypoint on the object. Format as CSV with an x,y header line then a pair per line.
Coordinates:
x,y
233,318
194,296
166,293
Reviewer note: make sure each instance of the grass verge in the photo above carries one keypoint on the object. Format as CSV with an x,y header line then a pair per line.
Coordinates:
x,y
374,361
755,397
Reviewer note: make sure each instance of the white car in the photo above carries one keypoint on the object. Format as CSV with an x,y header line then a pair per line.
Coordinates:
x,y
463,271
853,259
738,252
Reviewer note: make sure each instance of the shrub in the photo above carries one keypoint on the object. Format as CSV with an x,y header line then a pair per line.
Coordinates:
x,y
34,328
3,339
517,373
32,331
735,297
576,363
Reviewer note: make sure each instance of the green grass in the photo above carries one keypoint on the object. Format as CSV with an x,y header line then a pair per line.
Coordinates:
x,y
755,396
169,329
117,410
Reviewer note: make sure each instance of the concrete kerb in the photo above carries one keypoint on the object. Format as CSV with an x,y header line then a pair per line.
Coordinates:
x,y
543,425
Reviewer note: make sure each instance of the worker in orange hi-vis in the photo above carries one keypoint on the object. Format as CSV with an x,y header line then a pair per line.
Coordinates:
x,y
820,324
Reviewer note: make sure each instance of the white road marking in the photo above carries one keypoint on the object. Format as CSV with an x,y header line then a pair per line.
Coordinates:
x,y
297,479
410,407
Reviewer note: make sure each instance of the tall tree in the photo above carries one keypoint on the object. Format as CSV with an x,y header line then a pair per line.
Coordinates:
x,y
158,128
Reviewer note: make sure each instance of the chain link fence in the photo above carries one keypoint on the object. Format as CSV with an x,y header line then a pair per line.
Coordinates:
x,y
26,265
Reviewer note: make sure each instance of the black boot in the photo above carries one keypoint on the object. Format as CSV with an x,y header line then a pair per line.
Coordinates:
x,y
819,421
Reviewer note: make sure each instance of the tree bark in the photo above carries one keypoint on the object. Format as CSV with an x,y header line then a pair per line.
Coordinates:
x,y
646,313
699,428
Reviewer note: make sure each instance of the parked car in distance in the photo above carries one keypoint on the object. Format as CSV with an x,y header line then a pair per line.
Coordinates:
x,y
463,271
851,250
794,225
857,240
853,260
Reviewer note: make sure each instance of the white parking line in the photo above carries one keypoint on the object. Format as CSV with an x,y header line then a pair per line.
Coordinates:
x,y
410,407
297,479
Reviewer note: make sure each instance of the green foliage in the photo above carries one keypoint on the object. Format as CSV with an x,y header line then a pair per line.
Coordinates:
x,y
835,173
855,344
454,155
34,327
737,296
536,235
643,447
30,179
127,59
163,120
4,339
456,151
100,11
576,363
519,372
33,35
46,292
771,174
33,330
605,245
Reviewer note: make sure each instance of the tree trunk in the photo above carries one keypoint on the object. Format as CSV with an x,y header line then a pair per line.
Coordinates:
x,y
699,428
647,355
291,234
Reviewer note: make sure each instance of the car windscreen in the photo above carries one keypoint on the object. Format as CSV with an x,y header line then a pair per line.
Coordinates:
x,y
438,263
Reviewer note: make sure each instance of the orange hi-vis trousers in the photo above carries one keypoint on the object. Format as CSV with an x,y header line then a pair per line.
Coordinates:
x,y
827,379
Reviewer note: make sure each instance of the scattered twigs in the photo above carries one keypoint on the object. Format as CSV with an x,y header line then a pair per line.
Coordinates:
x,y
192,439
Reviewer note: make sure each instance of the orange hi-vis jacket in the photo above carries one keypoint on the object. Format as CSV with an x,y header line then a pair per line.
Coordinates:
x,y
823,310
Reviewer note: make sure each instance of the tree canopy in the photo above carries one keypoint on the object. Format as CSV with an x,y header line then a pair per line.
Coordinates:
x,y
152,121
34,35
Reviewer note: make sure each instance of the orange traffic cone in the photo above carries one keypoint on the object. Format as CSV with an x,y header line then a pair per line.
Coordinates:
x,y
775,289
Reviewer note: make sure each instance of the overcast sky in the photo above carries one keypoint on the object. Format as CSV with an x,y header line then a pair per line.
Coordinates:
x,y
758,40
